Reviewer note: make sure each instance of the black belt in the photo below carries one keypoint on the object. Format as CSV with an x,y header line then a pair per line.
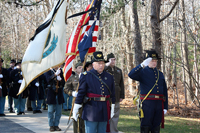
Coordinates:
x,y
99,98
154,96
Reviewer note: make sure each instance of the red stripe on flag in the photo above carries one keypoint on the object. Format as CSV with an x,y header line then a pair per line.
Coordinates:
x,y
76,35
95,28
92,50
94,39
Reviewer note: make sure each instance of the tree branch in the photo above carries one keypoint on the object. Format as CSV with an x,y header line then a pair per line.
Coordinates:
x,y
19,3
175,3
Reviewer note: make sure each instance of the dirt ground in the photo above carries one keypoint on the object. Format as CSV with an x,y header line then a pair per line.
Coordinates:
x,y
190,110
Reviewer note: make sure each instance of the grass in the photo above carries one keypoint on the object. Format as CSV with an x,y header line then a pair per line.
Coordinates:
x,y
129,123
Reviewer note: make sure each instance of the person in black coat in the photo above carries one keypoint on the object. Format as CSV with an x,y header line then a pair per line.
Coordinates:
x,y
3,87
55,84
36,93
19,100
10,99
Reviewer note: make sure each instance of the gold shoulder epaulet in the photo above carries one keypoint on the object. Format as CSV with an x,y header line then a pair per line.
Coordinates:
x,y
84,73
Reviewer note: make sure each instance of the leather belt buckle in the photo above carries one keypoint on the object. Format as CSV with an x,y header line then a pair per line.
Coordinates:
x,y
157,97
102,98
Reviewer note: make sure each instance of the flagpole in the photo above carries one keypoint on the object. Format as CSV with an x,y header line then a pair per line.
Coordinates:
x,y
66,12
83,68
74,98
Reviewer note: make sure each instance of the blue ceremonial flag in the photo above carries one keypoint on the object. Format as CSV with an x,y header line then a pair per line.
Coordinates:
x,y
86,42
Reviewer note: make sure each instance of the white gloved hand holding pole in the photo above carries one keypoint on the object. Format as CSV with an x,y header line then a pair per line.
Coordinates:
x,y
57,72
59,78
1,76
74,93
146,62
20,81
112,110
75,111
165,111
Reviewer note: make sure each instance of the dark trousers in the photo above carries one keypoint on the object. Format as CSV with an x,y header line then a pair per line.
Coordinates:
x,y
152,114
10,103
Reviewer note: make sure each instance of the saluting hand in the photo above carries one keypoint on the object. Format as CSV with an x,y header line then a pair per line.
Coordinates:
x,y
146,62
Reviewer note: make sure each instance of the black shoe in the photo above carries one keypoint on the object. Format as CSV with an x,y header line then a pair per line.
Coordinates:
x,y
69,109
65,109
38,111
19,113
44,108
11,111
22,113
34,111
57,128
29,109
51,129
2,115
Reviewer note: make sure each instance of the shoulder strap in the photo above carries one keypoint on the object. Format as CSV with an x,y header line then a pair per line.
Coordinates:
x,y
101,81
151,88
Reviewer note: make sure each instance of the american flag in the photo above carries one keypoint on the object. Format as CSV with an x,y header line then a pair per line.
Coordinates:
x,y
82,27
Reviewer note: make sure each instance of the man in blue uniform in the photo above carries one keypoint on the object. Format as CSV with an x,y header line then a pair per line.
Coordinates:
x,y
99,87
153,93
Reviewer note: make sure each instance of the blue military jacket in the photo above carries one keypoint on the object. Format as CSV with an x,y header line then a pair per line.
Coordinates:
x,y
147,78
95,110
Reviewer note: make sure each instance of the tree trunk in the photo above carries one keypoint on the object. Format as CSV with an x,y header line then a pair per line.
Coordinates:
x,y
155,28
137,36
128,49
185,57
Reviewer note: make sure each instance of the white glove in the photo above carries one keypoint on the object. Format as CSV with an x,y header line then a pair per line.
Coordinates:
x,y
146,62
74,93
15,68
57,72
59,78
21,73
112,111
37,84
165,111
1,75
75,111
20,81
0,87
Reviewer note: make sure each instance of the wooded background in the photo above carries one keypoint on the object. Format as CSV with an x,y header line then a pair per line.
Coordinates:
x,y
127,28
